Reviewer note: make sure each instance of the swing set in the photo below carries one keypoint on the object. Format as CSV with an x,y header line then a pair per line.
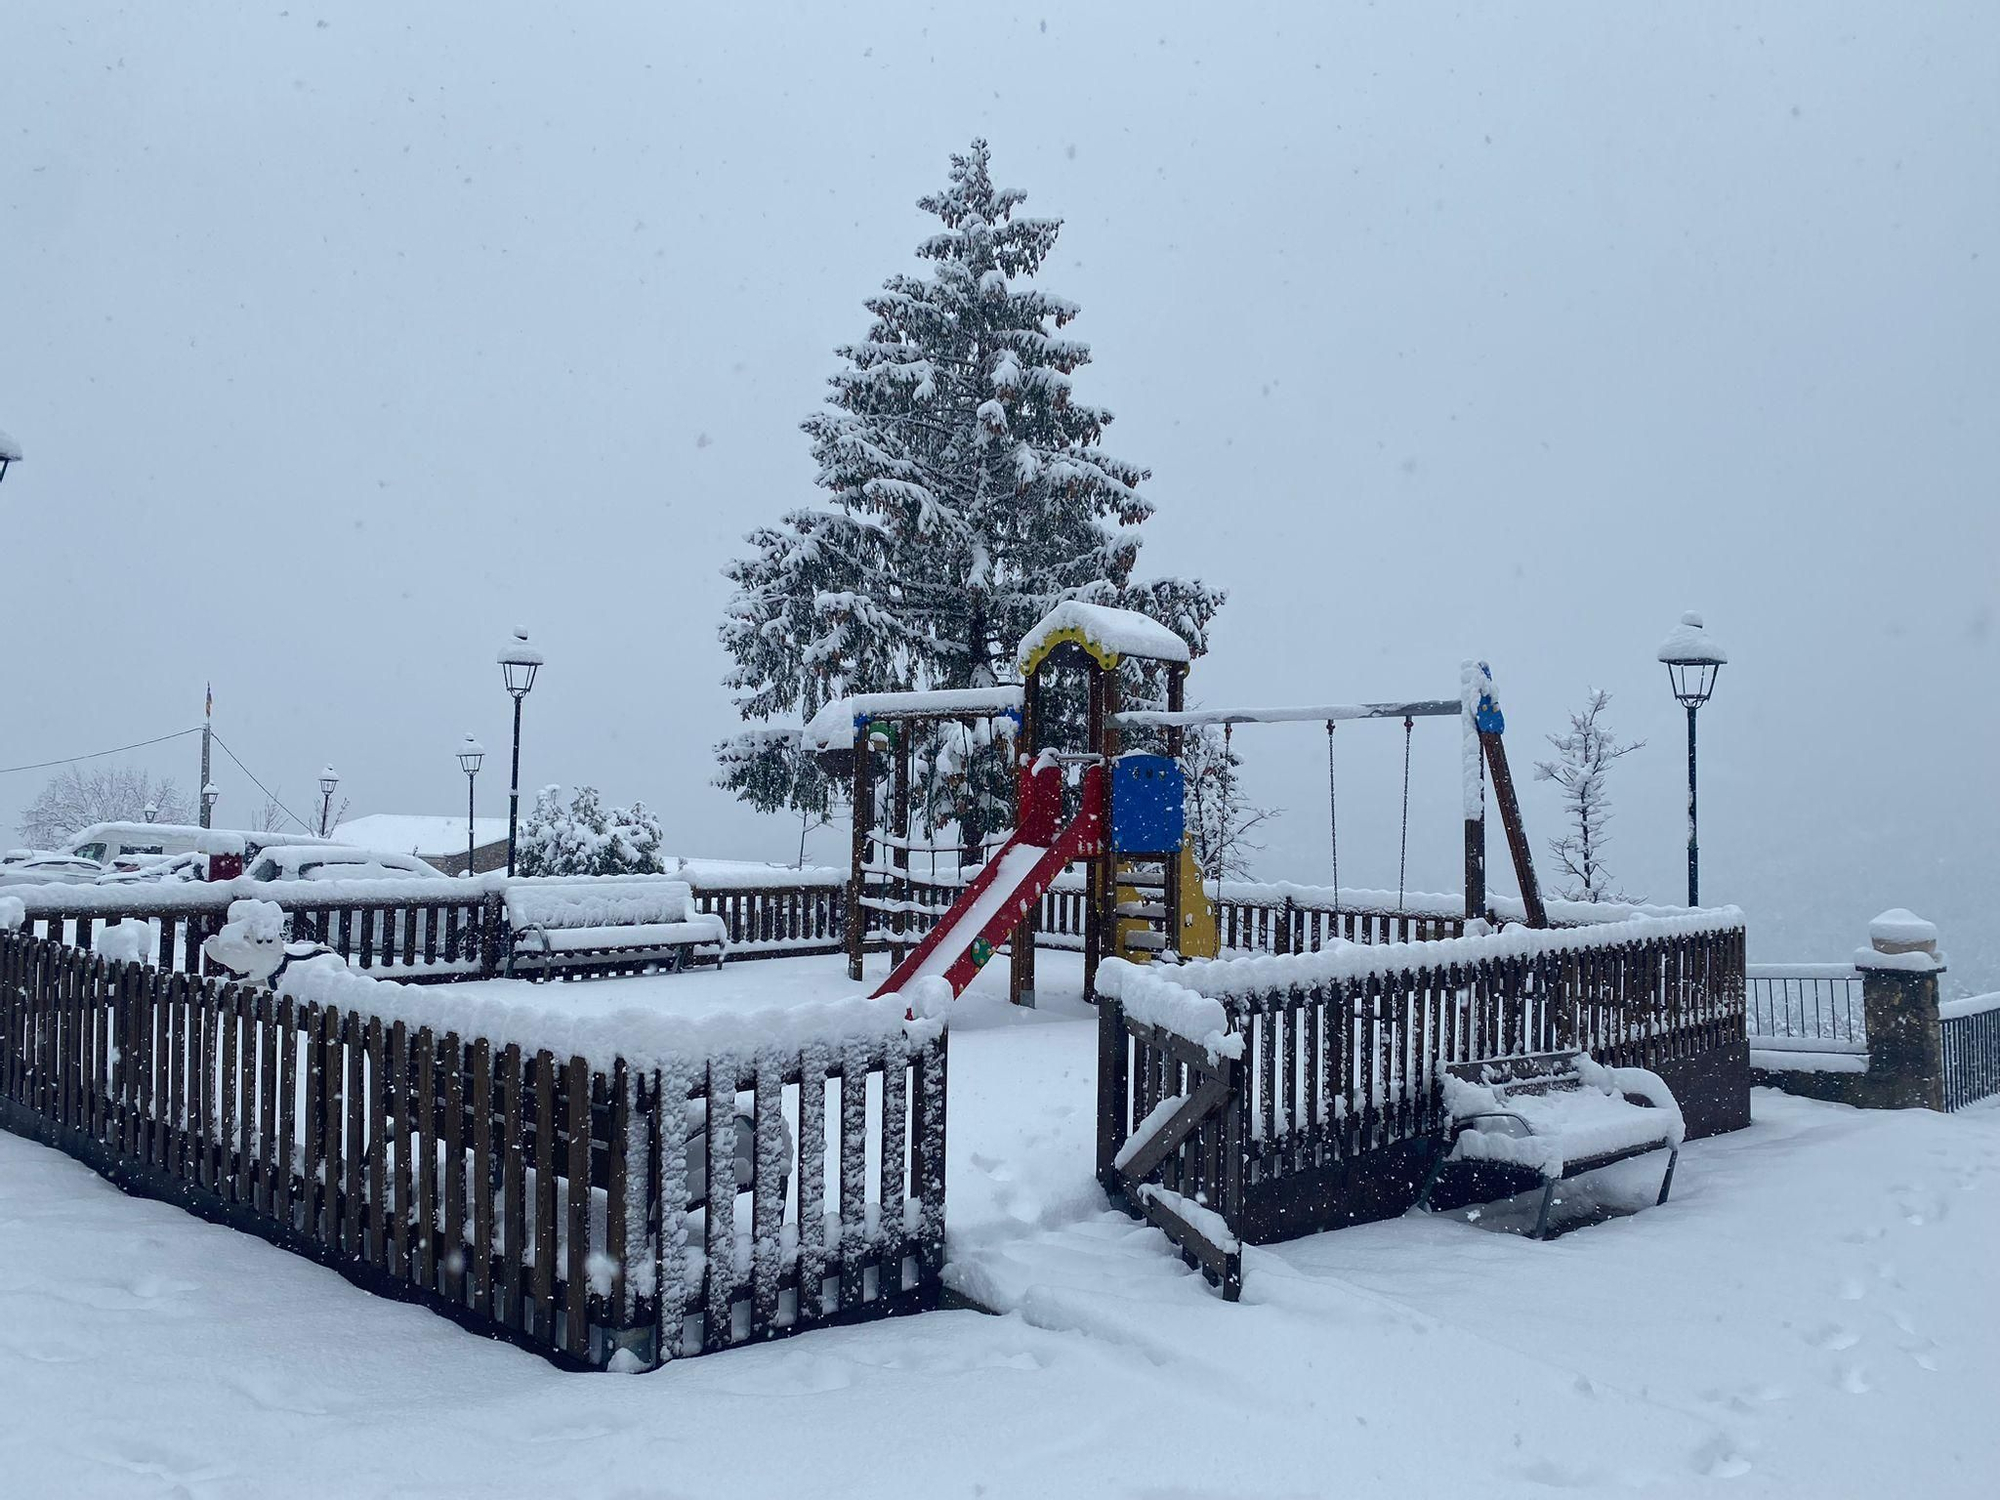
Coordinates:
x,y
1476,707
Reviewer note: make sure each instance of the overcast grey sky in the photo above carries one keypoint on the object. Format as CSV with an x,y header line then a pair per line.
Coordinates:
x,y
340,340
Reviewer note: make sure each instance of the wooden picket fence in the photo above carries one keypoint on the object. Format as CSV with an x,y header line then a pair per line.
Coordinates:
x,y
1335,1098
542,1199
425,932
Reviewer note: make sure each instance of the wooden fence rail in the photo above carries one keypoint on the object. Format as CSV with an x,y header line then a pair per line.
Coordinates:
x,y
432,932
540,1198
1340,1093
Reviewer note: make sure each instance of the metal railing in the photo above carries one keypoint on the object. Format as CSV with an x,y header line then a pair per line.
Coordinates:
x,y
1806,1008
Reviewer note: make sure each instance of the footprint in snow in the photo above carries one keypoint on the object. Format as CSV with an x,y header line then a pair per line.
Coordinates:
x,y
1852,1289
1718,1458
1854,1380
1833,1337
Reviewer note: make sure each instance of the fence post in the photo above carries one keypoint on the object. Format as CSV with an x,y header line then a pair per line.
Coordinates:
x,y
1899,990
1113,1065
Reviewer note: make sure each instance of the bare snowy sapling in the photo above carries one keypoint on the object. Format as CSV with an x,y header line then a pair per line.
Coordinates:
x,y
1220,819
963,494
75,798
1583,760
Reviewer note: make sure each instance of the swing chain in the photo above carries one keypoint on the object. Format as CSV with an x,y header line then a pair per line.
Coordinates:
x,y
1333,813
1403,857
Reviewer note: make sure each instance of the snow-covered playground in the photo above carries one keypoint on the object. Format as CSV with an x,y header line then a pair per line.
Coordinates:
x,y
1811,1313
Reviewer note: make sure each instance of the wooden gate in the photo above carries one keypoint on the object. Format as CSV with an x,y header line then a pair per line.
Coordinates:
x,y
1170,1145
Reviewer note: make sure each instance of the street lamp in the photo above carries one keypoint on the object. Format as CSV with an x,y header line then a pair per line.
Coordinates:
x,y
518,664
1693,659
470,754
152,811
328,780
10,453
209,793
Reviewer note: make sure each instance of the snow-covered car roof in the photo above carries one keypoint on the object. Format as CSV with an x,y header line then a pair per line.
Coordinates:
x,y
338,862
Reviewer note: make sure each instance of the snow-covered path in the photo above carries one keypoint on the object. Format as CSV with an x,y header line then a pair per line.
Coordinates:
x,y
1814,1313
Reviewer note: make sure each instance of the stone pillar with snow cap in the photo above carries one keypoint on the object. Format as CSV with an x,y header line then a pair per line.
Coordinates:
x,y
1899,989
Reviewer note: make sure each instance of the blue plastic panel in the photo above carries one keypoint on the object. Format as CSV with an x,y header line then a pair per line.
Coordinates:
x,y
1147,815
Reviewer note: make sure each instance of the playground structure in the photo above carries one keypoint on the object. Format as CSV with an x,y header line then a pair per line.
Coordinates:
x,y
1144,896
866,739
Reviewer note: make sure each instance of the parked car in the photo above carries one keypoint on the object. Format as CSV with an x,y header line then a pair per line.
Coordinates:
x,y
104,842
335,862
51,869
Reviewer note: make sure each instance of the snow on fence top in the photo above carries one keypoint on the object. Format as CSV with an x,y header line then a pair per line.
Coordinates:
x,y
1107,634
833,726
1426,903
1259,974
1948,1010
644,1036
202,896
1149,996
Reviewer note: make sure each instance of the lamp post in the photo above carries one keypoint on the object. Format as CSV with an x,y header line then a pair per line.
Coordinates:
x,y
210,792
10,453
328,780
152,811
470,754
1692,660
518,664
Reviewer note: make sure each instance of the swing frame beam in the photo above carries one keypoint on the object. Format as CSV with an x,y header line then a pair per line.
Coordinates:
x,y
1491,753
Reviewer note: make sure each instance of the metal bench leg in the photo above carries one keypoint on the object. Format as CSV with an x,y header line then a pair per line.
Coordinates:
x,y
1548,1198
1667,1182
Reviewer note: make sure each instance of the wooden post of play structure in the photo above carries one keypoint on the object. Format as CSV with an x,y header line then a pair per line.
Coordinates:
x,y
1517,833
1475,835
862,801
899,830
1176,742
1021,963
1096,925
1472,791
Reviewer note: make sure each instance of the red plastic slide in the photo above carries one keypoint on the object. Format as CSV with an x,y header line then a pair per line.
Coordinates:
x,y
1012,882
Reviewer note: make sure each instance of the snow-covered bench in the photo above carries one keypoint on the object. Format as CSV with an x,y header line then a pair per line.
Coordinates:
x,y
1557,1115
620,925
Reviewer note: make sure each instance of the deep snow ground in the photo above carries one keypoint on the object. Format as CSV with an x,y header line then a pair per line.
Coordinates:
x,y
1814,1313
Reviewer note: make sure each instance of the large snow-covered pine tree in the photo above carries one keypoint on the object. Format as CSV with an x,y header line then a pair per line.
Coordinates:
x,y
964,494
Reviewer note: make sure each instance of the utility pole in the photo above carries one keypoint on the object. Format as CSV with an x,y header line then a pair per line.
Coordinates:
x,y
207,727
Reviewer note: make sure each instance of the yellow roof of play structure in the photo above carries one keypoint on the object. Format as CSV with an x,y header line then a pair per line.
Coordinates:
x,y
1107,634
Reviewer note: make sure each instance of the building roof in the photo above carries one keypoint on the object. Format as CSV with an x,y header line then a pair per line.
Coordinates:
x,y
408,833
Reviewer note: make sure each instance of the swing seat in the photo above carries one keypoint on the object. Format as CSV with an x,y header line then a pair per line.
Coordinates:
x,y
1556,1115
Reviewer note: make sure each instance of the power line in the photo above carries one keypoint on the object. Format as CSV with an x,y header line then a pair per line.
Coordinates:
x,y
260,785
70,760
